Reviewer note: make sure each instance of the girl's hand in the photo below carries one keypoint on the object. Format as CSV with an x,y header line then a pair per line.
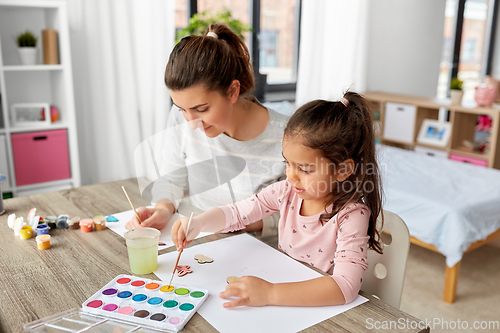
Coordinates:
x,y
251,290
150,217
179,231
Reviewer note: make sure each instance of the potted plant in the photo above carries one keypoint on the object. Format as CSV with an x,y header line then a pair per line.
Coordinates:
x,y
199,23
456,92
26,46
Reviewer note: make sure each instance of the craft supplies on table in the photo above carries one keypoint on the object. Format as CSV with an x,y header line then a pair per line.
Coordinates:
x,y
242,255
142,248
26,232
74,222
62,222
43,242
130,303
26,229
86,225
42,229
51,221
99,222
123,217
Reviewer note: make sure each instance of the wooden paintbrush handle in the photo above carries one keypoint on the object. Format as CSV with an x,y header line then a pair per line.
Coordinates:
x,y
177,261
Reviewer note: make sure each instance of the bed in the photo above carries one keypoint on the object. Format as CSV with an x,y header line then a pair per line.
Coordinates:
x,y
449,207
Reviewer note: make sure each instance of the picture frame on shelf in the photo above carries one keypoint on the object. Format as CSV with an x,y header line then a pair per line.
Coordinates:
x,y
30,114
434,132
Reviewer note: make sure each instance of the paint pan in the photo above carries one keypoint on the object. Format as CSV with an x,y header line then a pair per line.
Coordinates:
x,y
51,221
114,305
86,225
42,229
62,222
74,222
100,222
43,242
26,232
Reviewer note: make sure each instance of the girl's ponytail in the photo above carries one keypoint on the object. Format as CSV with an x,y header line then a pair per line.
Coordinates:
x,y
366,150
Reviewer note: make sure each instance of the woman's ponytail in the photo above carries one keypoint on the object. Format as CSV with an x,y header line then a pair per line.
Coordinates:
x,y
214,60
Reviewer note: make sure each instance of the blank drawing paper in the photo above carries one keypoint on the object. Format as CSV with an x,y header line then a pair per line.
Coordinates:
x,y
124,217
244,255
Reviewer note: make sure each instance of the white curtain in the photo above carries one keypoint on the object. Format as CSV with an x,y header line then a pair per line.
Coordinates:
x,y
333,44
119,52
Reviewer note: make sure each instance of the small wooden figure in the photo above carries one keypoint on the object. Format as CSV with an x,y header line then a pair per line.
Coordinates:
x,y
231,279
183,270
201,259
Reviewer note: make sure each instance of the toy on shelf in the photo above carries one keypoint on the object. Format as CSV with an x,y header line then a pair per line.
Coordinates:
x,y
484,123
486,92
478,145
54,114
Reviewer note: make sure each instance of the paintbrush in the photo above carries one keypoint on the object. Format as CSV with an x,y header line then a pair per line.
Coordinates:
x,y
180,251
137,215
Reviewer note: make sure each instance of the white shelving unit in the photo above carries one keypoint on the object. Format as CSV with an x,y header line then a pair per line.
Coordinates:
x,y
52,84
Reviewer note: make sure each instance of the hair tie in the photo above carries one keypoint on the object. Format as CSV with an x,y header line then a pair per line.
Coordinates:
x,y
212,34
344,101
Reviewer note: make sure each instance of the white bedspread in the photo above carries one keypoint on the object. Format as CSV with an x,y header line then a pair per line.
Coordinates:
x,y
444,203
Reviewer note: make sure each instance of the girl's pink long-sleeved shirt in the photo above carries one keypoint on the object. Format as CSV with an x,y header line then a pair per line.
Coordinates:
x,y
338,247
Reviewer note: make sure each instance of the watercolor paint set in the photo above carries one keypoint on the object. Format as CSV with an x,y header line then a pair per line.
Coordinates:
x,y
130,303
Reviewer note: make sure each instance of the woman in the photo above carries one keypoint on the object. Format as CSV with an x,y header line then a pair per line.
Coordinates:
x,y
216,130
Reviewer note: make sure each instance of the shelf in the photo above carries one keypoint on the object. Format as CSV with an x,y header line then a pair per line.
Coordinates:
x,y
38,83
397,142
431,103
39,188
38,128
430,146
5,189
466,151
23,68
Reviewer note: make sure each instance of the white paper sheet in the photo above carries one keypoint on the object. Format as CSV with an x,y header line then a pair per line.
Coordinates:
x,y
244,255
124,217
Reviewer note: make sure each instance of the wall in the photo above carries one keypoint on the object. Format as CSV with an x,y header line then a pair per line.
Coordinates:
x,y
405,46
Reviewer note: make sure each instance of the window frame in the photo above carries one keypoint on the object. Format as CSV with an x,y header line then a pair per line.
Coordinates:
x,y
266,92
488,48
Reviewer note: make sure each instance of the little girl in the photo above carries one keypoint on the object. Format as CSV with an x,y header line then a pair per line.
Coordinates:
x,y
329,205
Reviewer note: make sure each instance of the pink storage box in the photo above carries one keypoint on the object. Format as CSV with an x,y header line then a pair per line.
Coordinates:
x,y
40,156
466,159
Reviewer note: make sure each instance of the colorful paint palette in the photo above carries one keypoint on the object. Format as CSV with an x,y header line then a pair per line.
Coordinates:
x,y
149,303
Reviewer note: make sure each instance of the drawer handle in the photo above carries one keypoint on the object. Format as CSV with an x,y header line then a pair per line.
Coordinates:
x,y
430,154
40,138
400,109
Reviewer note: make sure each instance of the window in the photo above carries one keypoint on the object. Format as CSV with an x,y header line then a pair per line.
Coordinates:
x,y
278,42
240,10
275,51
467,39
181,14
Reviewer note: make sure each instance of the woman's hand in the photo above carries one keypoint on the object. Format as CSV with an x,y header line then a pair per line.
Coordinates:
x,y
179,232
151,217
251,290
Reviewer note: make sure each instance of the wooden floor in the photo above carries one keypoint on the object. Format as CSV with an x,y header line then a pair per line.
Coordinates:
x,y
451,276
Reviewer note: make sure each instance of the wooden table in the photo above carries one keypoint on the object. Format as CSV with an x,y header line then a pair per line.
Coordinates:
x,y
38,283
